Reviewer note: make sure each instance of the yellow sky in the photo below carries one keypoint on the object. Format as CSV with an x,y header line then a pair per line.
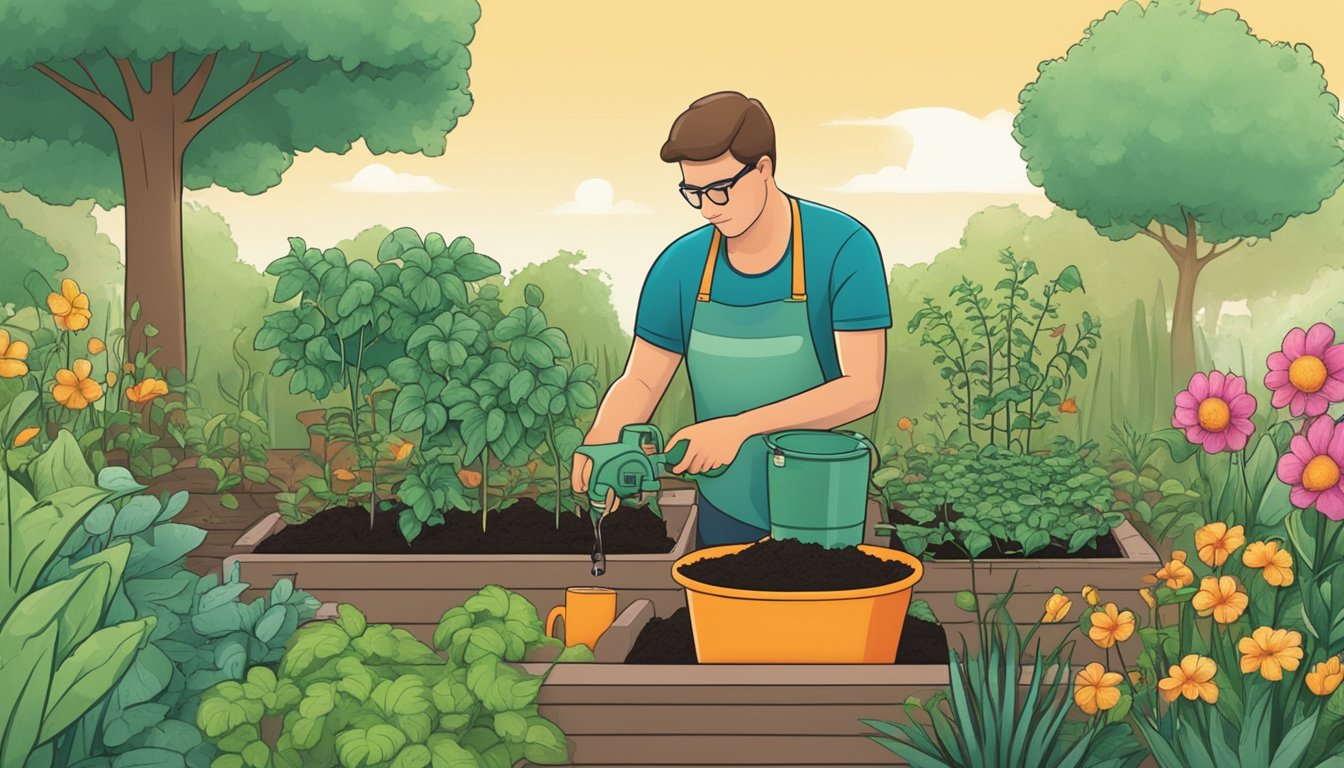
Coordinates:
x,y
586,89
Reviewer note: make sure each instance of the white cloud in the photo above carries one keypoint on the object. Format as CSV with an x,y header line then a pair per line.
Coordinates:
x,y
379,179
596,197
953,152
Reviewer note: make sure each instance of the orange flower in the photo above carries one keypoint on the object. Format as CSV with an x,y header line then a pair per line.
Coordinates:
x,y
26,436
1068,406
1056,608
74,389
128,368
1270,651
12,356
111,379
1176,572
146,390
1275,564
1325,677
904,424
343,474
1147,595
70,307
470,478
1091,595
1216,542
1111,626
1220,597
96,346
1193,679
402,450
1096,690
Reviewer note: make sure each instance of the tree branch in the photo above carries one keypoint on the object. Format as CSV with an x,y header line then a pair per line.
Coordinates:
x,y
195,126
89,75
95,101
1215,253
191,92
1167,245
128,75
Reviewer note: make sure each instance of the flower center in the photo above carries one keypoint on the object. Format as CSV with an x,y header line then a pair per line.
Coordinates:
x,y
1214,415
1307,373
1321,473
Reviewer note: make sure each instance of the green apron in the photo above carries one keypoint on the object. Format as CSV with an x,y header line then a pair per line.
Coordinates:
x,y
742,358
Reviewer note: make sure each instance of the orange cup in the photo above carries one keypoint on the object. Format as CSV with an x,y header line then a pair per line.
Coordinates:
x,y
588,612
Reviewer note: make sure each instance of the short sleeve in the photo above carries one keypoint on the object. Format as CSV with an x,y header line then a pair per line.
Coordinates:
x,y
658,316
859,299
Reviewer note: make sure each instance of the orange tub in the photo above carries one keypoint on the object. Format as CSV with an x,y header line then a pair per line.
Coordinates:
x,y
742,626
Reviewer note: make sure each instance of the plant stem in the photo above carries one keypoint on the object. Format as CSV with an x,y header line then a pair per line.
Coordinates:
x,y
485,487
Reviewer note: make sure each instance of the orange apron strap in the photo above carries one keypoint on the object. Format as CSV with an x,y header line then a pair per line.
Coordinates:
x,y
707,277
799,282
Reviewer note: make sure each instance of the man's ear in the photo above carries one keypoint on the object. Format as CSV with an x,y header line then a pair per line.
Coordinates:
x,y
766,167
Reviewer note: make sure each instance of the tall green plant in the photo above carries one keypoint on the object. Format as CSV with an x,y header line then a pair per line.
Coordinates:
x,y
999,370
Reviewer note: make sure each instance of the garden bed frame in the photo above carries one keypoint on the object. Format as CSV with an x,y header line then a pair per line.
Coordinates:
x,y
1117,579
414,590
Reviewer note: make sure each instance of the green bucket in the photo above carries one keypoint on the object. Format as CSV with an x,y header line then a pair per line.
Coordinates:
x,y
817,481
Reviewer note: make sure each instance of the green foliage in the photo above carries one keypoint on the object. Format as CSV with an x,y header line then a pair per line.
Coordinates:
x,y
988,354
984,719
977,496
354,694
1161,504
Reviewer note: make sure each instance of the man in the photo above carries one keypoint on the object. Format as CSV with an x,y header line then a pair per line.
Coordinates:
x,y
778,305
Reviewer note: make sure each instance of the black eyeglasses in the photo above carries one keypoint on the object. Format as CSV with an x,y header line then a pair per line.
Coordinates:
x,y
717,192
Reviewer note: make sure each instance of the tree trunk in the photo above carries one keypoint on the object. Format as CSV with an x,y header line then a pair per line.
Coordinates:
x,y
151,169
1183,321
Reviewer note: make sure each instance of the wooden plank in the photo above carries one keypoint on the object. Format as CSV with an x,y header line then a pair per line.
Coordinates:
x,y
736,750
616,642
656,719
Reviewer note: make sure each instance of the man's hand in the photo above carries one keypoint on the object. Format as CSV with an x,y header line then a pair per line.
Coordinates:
x,y
713,444
579,473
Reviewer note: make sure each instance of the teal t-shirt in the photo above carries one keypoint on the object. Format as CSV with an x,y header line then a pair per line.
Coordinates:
x,y
846,283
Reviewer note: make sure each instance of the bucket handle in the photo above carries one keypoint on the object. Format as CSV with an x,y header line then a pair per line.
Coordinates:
x,y
872,449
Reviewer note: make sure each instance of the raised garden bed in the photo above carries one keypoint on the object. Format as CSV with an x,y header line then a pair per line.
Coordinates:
x,y
1116,566
636,715
413,590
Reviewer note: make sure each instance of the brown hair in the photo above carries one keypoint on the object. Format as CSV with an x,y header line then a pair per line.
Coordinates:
x,y
721,122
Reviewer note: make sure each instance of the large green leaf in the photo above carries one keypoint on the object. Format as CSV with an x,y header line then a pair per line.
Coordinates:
x,y
25,679
40,530
359,747
90,672
447,753
60,466
1174,439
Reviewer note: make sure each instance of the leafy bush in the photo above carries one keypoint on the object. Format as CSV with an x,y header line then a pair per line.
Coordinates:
x,y
58,661
1160,503
975,497
353,694
989,356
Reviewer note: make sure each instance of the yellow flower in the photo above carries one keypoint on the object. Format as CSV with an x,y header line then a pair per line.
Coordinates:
x,y
1325,677
111,379
1270,651
1220,597
1111,626
74,389
343,474
1056,608
1275,564
96,346
1096,690
12,356
1193,678
1216,542
402,450
26,436
1147,595
1091,595
128,368
904,424
70,307
146,390
1176,572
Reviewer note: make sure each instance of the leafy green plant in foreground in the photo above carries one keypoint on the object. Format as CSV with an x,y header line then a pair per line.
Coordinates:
x,y
975,497
354,694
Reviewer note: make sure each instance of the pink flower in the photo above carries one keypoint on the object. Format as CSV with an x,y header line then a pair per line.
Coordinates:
x,y
1312,468
1307,375
1215,412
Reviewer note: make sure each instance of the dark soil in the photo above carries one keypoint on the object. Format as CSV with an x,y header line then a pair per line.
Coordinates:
x,y
523,529
786,565
669,641
1106,546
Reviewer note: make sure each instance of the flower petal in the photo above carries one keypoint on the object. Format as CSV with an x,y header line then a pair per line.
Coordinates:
x,y
1319,435
1316,403
1282,395
1334,358
1217,384
1294,342
1319,338
83,368
1216,442
1302,498
1199,386
1242,405
12,369
1331,503
1186,400
1277,362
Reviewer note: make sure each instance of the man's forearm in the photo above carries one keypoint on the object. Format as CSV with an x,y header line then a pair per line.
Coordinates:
x,y
628,401
830,405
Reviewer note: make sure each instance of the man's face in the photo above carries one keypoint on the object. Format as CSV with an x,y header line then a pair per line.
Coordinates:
x,y
746,196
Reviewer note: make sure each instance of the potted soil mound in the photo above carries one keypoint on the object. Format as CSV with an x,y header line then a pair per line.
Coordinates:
x,y
785,601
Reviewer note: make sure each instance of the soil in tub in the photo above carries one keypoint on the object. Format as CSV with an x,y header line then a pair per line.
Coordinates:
x,y
523,528
787,565
669,641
